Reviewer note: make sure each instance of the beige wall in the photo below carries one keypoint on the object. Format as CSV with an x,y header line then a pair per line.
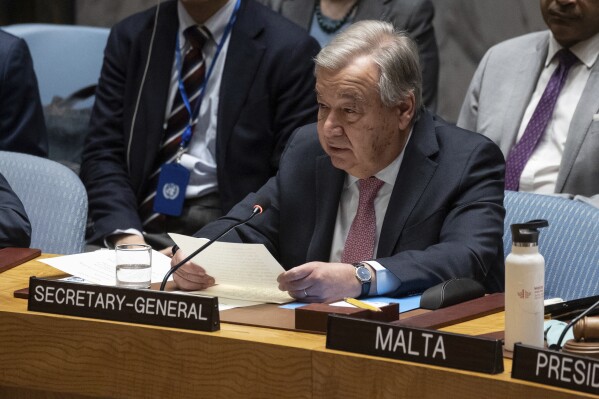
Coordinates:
x,y
465,29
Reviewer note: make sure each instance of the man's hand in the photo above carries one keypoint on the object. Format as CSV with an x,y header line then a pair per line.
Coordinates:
x,y
320,282
190,277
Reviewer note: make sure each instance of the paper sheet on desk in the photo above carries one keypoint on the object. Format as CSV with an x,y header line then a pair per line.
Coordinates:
x,y
242,271
99,267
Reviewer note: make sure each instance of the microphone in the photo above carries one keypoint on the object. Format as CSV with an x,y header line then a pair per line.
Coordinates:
x,y
260,206
558,346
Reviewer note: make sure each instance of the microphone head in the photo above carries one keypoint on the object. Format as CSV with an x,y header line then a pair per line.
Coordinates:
x,y
261,204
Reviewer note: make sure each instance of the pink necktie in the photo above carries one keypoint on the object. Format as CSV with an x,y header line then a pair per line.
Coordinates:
x,y
359,245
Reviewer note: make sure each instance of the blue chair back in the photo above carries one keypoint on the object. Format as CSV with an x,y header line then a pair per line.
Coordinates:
x,y
66,58
570,245
54,198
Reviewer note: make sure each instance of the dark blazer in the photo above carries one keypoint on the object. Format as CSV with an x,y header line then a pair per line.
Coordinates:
x,y
15,229
267,91
413,16
22,126
444,219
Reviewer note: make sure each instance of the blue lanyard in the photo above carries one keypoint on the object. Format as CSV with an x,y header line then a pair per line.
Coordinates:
x,y
187,135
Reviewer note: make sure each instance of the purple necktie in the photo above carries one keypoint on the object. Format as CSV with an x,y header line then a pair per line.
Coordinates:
x,y
359,244
520,153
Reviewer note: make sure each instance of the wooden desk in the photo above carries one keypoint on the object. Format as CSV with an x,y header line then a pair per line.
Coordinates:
x,y
51,356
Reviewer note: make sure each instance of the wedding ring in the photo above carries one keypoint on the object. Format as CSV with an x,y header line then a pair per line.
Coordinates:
x,y
305,293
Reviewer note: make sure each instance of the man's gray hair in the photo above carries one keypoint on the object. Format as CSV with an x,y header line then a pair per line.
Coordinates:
x,y
393,51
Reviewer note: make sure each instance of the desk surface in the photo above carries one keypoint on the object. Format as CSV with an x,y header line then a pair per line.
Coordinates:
x,y
49,356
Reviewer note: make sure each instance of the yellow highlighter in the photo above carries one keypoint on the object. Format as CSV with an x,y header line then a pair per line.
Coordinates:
x,y
362,305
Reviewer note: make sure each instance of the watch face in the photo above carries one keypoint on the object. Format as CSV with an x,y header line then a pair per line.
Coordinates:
x,y
363,273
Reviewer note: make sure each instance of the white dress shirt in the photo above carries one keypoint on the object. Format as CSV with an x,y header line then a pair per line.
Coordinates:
x,y
348,205
200,158
540,173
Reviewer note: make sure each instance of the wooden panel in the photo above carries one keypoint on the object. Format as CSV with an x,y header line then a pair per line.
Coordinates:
x,y
53,356
340,375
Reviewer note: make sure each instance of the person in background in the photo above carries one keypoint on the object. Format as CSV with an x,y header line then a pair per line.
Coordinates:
x,y
15,229
194,105
325,18
536,97
379,197
22,126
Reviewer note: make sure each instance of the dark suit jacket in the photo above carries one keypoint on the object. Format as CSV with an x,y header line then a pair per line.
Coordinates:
x,y
22,126
15,229
444,219
267,91
413,16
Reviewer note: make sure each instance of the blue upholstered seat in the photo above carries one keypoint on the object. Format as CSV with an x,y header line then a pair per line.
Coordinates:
x,y
66,58
54,198
570,244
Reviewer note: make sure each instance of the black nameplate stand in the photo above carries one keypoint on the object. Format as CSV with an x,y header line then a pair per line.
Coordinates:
x,y
167,309
559,369
415,345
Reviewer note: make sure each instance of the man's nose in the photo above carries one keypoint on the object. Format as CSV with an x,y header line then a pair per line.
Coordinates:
x,y
332,126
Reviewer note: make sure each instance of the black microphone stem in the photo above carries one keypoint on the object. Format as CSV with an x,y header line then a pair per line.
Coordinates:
x,y
173,269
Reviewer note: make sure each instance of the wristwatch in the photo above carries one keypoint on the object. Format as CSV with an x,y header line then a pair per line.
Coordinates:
x,y
364,276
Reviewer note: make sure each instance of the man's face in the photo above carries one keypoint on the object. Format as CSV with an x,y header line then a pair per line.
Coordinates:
x,y
360,134
571,21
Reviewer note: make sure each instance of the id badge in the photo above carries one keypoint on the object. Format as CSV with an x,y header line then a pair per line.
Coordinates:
x,y
170,193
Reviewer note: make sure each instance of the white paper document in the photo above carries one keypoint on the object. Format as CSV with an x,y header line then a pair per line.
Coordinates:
x,y
99,267
246,272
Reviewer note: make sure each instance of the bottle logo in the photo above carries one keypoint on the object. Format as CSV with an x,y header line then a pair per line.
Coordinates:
x,y
523,294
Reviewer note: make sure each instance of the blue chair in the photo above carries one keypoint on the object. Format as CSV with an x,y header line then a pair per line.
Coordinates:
x,y
66,58
570,244
54,198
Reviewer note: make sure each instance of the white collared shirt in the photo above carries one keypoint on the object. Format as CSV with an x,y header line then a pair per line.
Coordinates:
x,y
200,157
348,205
540,173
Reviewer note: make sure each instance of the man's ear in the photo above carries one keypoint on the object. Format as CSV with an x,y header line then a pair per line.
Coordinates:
x,y
405,111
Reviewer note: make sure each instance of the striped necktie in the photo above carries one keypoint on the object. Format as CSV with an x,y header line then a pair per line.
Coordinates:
x,y
521,152
192,73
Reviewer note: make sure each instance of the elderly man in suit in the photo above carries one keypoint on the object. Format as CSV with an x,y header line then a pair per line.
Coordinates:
x,y
536,97
22,126
202,94
378,197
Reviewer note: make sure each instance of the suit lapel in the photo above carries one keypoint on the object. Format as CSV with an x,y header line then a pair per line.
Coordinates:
x,y
588,105
329,184
414,175
244,55
299,11
524,84
376,9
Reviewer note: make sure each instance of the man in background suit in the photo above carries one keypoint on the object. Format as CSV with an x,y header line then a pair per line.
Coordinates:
x,y
510,82
22,126
260,90
413,16
423,198
15,229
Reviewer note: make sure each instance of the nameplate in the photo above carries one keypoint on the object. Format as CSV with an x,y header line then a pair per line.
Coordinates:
x,y
157,308
558,369
415,345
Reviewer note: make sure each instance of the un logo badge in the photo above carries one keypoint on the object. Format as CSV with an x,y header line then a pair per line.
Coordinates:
x,y
170,191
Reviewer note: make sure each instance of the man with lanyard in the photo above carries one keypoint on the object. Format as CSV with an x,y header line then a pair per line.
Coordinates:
x,y
194,105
